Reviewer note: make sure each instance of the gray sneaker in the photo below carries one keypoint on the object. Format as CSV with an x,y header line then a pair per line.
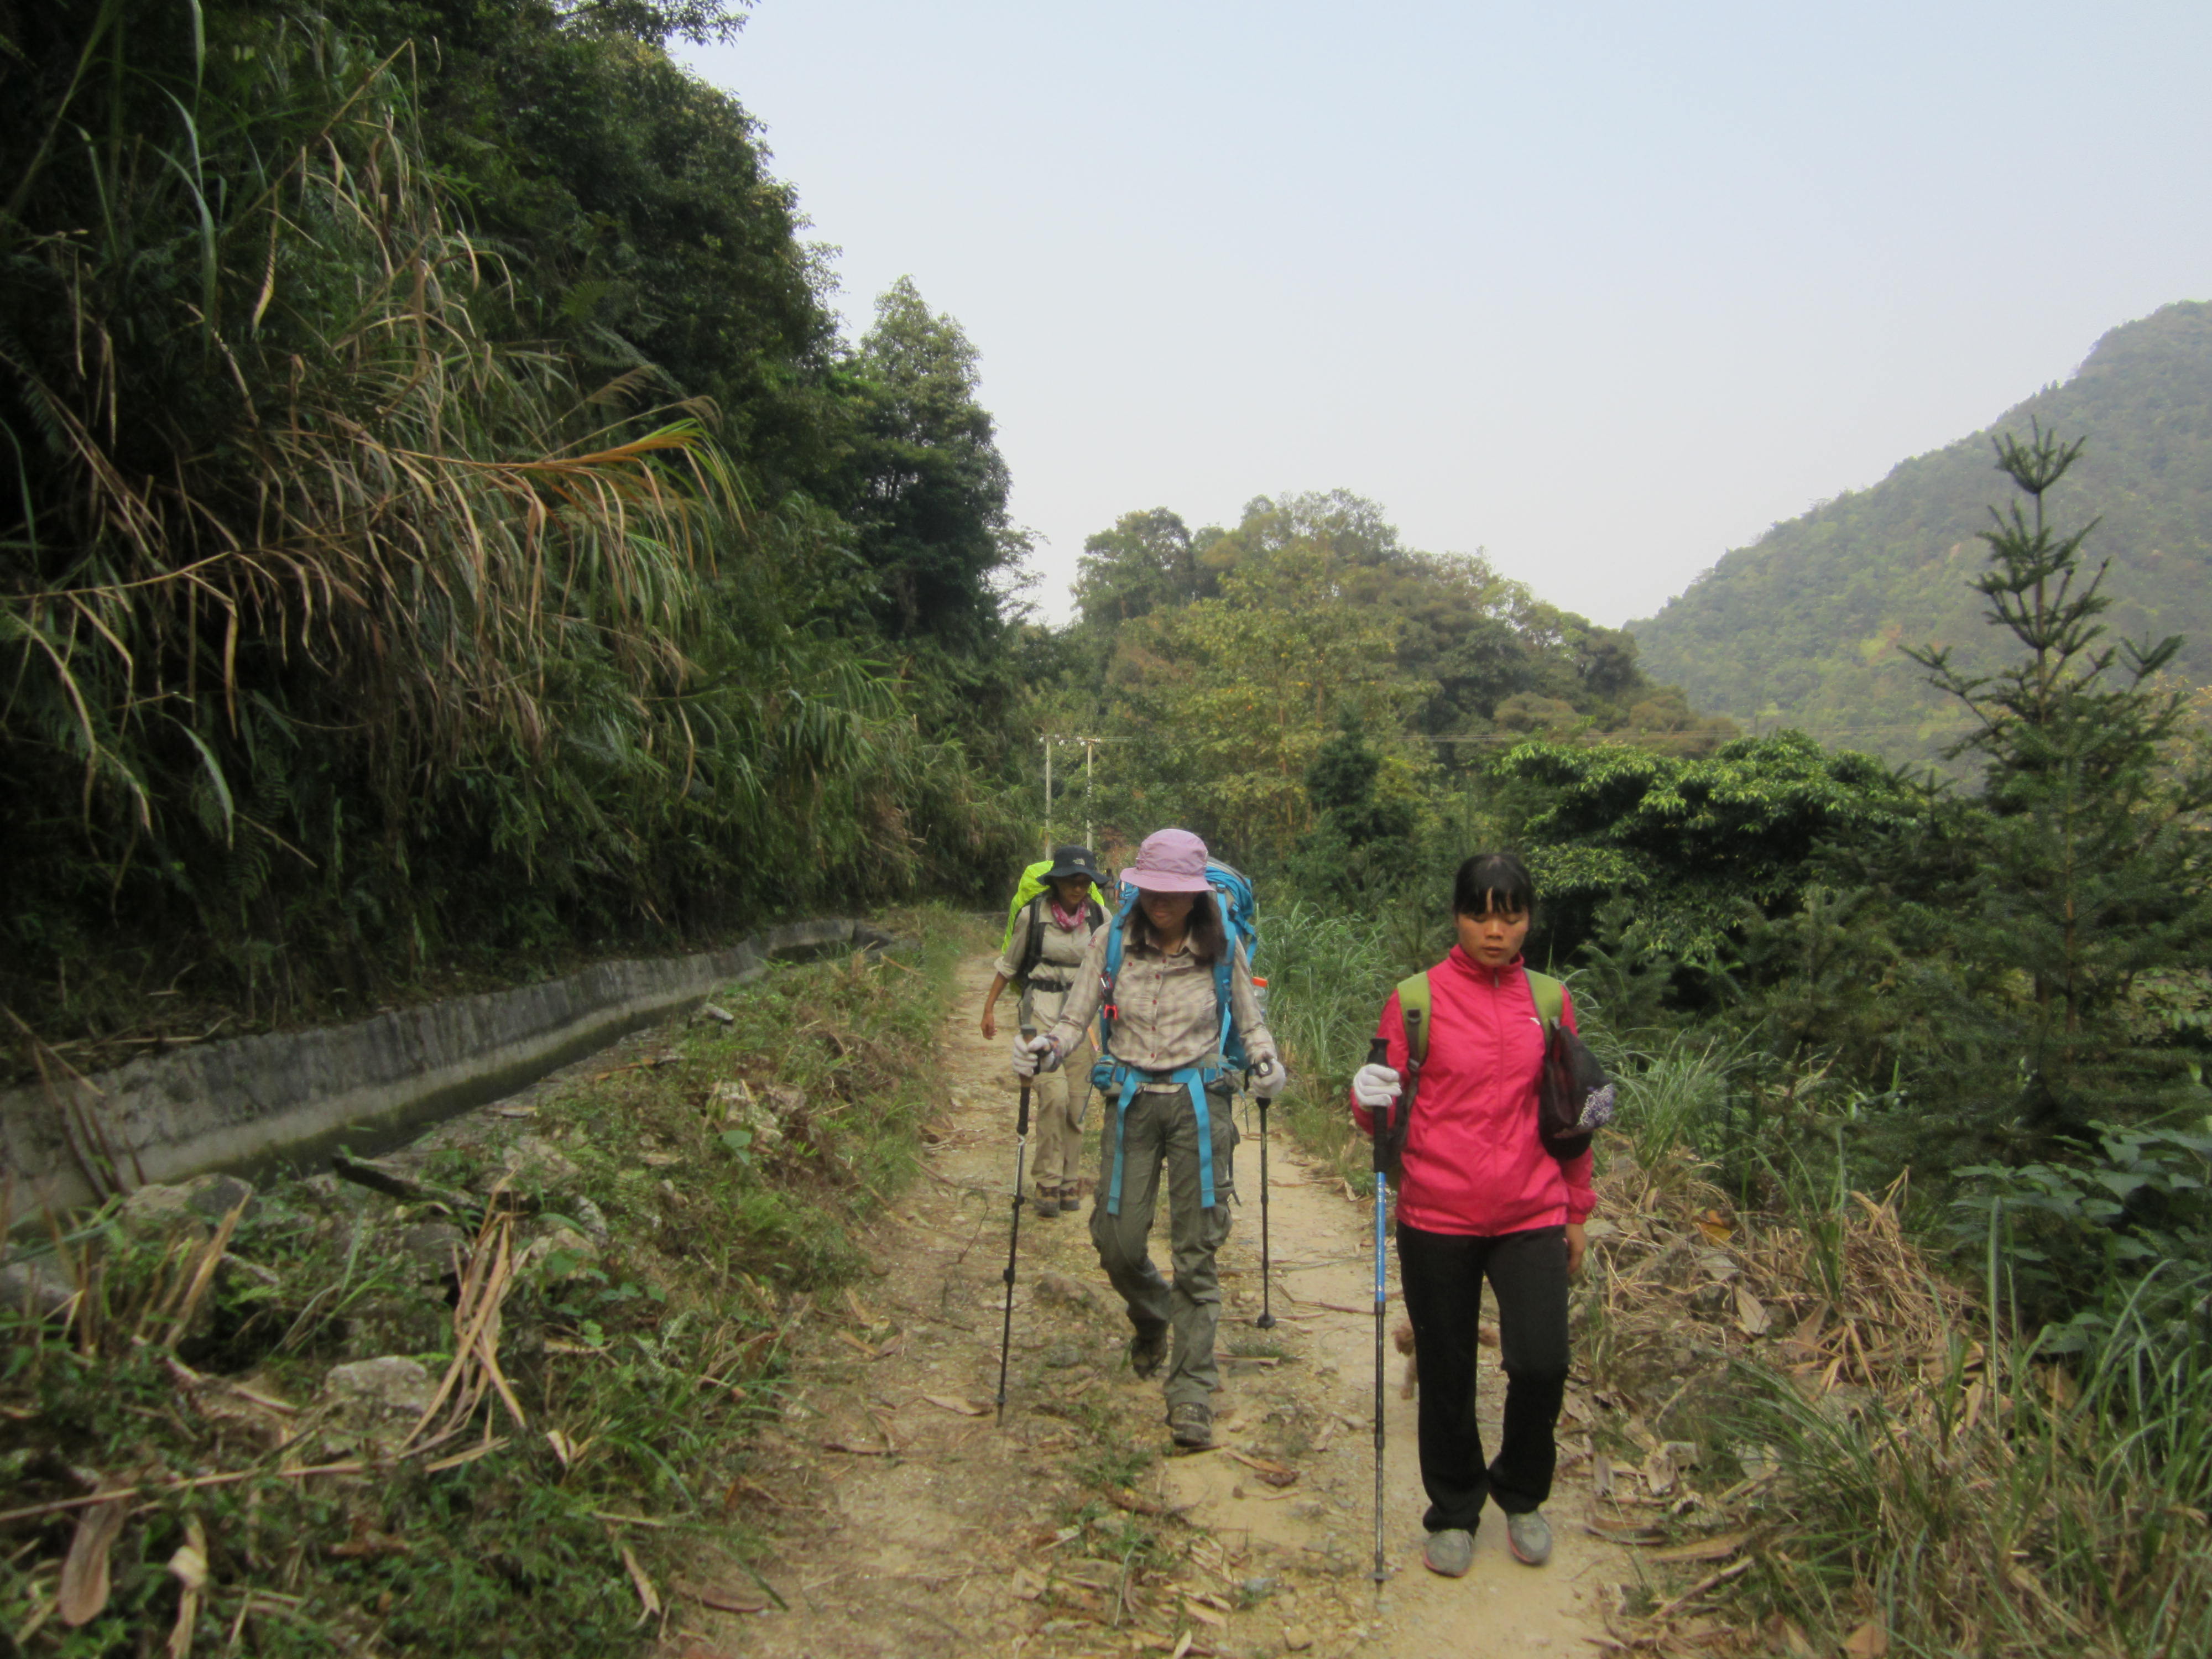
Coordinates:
x,y
1530,1535
1450,1552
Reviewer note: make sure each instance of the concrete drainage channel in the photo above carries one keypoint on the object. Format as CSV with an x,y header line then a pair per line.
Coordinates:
x,y
292,1097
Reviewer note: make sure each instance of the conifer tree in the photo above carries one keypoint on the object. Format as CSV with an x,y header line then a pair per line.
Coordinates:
x,y
2088,871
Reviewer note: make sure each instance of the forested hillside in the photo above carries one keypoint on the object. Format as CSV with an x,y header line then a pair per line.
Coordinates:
x,y
1810,626
1225,661
441,524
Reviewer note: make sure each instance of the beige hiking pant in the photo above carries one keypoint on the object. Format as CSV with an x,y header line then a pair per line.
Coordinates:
x,y
1058,1100
1057,1104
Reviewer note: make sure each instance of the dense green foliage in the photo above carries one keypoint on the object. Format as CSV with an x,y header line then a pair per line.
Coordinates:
x,y
1228,659
1693,844
439,523
1813,625
2001,992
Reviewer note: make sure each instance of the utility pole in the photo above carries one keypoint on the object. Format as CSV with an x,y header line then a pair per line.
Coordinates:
x,y
1090,749
1047,743
1089,772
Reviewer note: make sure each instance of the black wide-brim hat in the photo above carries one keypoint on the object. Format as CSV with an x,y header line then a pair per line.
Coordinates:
x,y
1073,861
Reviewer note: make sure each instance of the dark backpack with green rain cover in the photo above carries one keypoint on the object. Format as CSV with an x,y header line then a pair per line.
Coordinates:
x,y
1031,890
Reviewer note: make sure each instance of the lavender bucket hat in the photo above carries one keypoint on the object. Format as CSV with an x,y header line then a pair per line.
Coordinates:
x,y
1169,861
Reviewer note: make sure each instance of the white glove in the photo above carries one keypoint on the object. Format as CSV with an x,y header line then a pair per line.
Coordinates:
x,y
1036,1053
1374,1086
1269,1079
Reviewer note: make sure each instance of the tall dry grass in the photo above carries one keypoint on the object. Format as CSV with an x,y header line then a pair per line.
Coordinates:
x,y
1884,1466
1889,1466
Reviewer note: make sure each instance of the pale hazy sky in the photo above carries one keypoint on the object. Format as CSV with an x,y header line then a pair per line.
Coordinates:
x,y
1602,289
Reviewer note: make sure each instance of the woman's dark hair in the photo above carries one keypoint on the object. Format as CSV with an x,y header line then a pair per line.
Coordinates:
x,y
1209,942
1492,881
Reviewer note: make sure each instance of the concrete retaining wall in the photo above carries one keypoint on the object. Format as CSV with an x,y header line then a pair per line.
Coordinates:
x,y
296,1095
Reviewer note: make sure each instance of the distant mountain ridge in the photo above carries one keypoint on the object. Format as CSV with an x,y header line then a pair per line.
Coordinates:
x,y
1807,627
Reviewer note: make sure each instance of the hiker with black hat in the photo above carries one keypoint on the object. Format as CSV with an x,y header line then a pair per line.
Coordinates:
x,y
1044,949
1175,984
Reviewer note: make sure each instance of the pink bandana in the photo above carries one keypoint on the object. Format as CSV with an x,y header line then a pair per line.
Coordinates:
x,y
1066,918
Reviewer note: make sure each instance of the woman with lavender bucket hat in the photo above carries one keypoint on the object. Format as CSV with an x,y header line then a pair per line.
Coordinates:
x,y
1166,1032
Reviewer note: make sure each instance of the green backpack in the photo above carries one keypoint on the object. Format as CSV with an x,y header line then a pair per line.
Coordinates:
x,y
1029,891
1414,1000
1574,1097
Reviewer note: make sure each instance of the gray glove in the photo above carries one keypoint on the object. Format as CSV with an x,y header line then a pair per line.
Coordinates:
x,y
1269,1079
1036,1053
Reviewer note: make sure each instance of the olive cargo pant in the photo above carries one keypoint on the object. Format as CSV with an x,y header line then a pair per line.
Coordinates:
x,y
1162,1129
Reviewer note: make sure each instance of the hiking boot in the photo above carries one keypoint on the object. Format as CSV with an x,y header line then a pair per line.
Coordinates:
x,y
1148,1349
1530,1535
1047,1203
1071,1198
1191,1426
1450,1552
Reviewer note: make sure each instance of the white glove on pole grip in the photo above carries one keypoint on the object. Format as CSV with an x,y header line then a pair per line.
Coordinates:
x,y
1036,1053
1269,1079
1374,1086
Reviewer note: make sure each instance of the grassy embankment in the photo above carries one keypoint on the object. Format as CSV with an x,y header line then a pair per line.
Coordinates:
x,y
617,1290
1815,1429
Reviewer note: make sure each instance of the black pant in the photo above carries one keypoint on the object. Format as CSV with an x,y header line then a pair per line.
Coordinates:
x,y
1443,1274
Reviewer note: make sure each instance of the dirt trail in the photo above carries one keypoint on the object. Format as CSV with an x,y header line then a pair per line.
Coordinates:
x,y
906,1523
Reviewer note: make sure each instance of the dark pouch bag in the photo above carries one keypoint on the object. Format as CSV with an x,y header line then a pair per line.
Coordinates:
x,y
1574,1097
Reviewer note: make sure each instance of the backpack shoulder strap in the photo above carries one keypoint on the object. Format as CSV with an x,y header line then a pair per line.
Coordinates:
x,y
1033,945
1551,997
1224,1003
1113,932
1413,995
1107,1013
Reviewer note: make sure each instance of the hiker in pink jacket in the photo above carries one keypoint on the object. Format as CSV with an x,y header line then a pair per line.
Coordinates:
x,y
1480,1197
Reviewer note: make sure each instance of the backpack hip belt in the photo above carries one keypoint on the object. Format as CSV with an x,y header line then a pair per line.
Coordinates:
x,y
1122,1080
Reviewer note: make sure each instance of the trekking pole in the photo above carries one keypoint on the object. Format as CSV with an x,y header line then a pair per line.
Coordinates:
x,y
1013,1242
1266,1322
1382,1136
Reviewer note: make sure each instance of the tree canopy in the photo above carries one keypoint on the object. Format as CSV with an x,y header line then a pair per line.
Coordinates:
x,y
1231,656
470,538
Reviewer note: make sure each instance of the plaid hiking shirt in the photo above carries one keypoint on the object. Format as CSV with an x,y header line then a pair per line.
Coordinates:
x,y
1168,1015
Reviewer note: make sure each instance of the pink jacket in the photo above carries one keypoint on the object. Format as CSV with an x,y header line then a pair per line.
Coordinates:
x,y
1473,1165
